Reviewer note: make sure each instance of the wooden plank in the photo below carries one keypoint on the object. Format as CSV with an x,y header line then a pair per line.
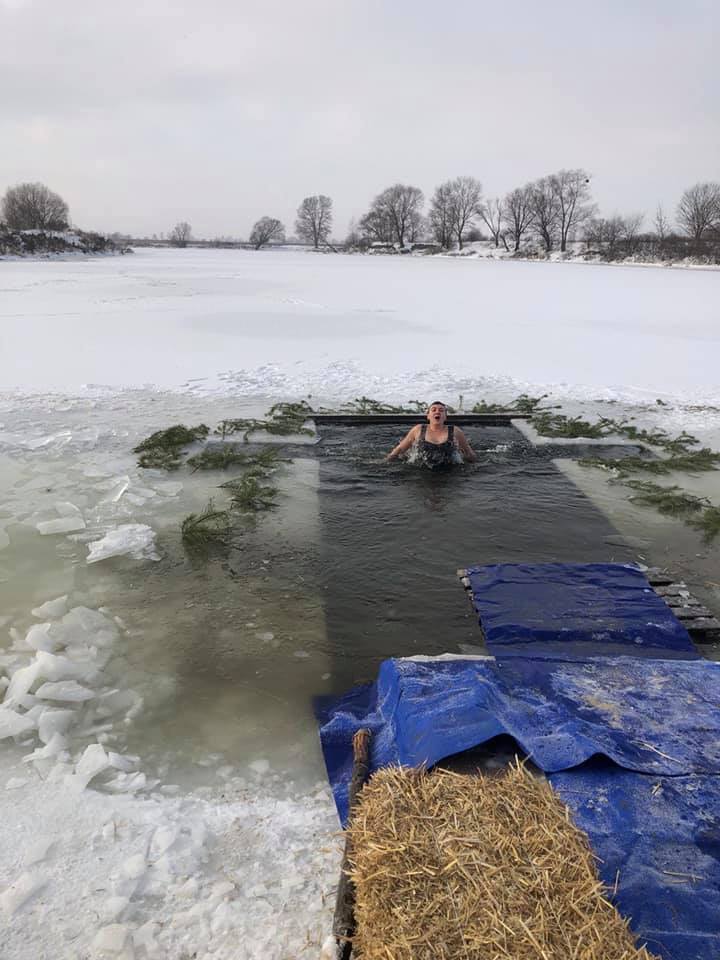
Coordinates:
x,y
674,590
704,625
658,575
362,419
678,601
692,613
344,918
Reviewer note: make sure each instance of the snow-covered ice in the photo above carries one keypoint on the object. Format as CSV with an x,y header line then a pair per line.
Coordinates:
x,y
269,324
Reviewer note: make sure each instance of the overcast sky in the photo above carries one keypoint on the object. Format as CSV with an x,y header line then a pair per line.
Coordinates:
x,y
141,114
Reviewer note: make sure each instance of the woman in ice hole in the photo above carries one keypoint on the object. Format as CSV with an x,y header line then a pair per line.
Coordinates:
x,y
435,444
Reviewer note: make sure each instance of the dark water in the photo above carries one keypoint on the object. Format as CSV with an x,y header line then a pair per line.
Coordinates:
x,y
357,564
394,535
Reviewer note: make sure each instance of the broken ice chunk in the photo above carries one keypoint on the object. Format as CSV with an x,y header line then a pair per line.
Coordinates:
x,y
127,783
20,683
53,721
68,690
93,761
66,509
85,627
52,667
120,485
57,744
135,540
40,636
51,608
61,525
122,762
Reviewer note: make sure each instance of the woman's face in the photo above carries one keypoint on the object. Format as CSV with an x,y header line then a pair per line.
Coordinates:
x,y
436,414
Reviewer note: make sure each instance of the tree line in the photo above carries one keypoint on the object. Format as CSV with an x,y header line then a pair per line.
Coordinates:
x,y
549,212
313,225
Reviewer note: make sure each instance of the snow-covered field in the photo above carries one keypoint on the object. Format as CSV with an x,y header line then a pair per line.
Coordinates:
x,y
114,848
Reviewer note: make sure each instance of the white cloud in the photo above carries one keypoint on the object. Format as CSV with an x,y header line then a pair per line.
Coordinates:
x,y
221,111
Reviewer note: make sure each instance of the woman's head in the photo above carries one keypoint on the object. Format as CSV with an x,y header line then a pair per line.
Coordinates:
x,y
437,412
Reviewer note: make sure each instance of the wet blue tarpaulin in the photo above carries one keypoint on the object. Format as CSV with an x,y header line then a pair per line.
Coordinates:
x,y
656,717
658,844
573,611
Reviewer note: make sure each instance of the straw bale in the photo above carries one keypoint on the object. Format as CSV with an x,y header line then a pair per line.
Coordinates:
x,y
449,866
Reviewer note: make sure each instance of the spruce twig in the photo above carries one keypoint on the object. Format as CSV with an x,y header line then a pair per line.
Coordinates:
x,y
708,523
670,501
163,449
205,527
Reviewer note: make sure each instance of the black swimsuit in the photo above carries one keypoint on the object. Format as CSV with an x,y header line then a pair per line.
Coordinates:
x,y
437,456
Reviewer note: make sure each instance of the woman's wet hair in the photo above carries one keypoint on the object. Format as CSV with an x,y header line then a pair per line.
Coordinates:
x,y
437,403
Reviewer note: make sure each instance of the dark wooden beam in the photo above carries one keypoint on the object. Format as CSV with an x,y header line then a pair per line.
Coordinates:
x,y
476,419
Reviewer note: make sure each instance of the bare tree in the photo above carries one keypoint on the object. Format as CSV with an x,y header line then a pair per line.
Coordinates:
x,y
545,211
32,206
395,215
699,209
661,224
594,233
377,227
617,236
314,220
181,234
492,214
265,230
631,227
572,192
518,213
440,218
465,193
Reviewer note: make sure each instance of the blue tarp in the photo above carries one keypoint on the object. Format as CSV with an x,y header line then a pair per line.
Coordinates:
x,y
572,611
657,717
658,840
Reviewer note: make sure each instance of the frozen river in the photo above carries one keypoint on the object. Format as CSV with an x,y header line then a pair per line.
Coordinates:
x,y
292,323
159,772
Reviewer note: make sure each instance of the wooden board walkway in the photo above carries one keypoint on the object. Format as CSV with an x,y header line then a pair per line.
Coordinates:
x,y
701,623
369,419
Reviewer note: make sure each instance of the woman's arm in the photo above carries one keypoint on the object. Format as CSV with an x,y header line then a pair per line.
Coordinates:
x,y
407,441
465,449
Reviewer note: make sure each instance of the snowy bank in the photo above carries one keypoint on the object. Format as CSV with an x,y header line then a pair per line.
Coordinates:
x,y
52,244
